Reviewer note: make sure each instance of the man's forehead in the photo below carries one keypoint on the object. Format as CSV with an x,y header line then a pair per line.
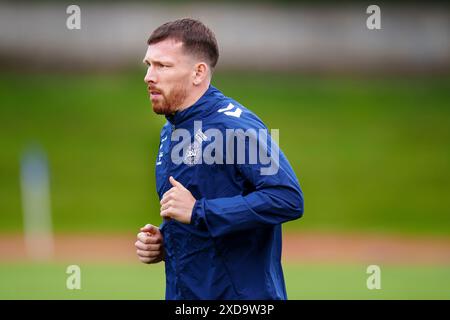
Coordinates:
x,y
168,48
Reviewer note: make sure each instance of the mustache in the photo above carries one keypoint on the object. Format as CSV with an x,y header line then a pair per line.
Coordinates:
x,y
154,89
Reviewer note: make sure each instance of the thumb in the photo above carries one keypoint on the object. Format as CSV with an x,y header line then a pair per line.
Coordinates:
x,y
149,228
175,183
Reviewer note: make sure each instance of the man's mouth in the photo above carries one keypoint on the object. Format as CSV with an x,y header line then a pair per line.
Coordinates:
x,y
154,93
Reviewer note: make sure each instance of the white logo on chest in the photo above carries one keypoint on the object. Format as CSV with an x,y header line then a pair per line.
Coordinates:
x,y
194,150
193,154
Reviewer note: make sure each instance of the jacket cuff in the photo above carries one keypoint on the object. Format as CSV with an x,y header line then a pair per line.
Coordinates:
x,y
198,215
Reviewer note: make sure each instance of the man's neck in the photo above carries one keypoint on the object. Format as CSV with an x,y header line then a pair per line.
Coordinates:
x,y
191,100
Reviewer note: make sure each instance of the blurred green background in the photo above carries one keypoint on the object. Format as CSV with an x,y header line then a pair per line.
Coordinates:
x,y
370,154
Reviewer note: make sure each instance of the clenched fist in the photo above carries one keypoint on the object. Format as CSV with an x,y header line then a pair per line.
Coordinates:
x,y
177,203
149,245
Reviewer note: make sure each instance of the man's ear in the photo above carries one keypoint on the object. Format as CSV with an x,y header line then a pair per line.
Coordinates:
x,y
201,71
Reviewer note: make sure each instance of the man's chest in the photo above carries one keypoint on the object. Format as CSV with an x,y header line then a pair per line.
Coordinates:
x,y
194,157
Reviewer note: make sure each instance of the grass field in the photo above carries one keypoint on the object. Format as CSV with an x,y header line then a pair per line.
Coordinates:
x,y
126,281
370,154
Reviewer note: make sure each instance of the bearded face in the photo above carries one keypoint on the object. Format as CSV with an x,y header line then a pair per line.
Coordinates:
x,y
166,102
168,76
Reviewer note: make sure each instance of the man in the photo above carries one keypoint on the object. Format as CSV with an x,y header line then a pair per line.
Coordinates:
x,y
221,231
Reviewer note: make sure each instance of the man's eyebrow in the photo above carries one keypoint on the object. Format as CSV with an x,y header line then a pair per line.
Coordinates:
x,y
146,61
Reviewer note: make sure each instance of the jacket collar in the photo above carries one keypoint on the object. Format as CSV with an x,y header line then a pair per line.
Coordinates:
x,y
201,107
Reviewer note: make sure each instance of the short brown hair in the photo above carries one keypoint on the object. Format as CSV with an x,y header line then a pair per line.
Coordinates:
x,y
197,38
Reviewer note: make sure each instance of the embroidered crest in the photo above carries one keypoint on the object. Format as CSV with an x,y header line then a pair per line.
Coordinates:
x,y
193,154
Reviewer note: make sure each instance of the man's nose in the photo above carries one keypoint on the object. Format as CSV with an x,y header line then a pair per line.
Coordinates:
x,y
150,76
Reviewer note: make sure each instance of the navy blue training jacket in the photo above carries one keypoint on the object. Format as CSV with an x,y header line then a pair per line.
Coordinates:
x,y
232,247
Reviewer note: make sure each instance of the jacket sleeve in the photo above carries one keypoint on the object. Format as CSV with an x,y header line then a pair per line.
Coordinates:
x,y
275,197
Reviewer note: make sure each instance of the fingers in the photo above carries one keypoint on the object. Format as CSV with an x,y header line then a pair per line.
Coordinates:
x,y
148,254
176,203
170,212
146,239
148,260
148,247
165,214
167,204
168,192
175,183
169,195
149,228
145,260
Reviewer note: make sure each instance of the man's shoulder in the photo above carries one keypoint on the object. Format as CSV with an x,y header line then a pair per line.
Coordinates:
x,y
230,114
